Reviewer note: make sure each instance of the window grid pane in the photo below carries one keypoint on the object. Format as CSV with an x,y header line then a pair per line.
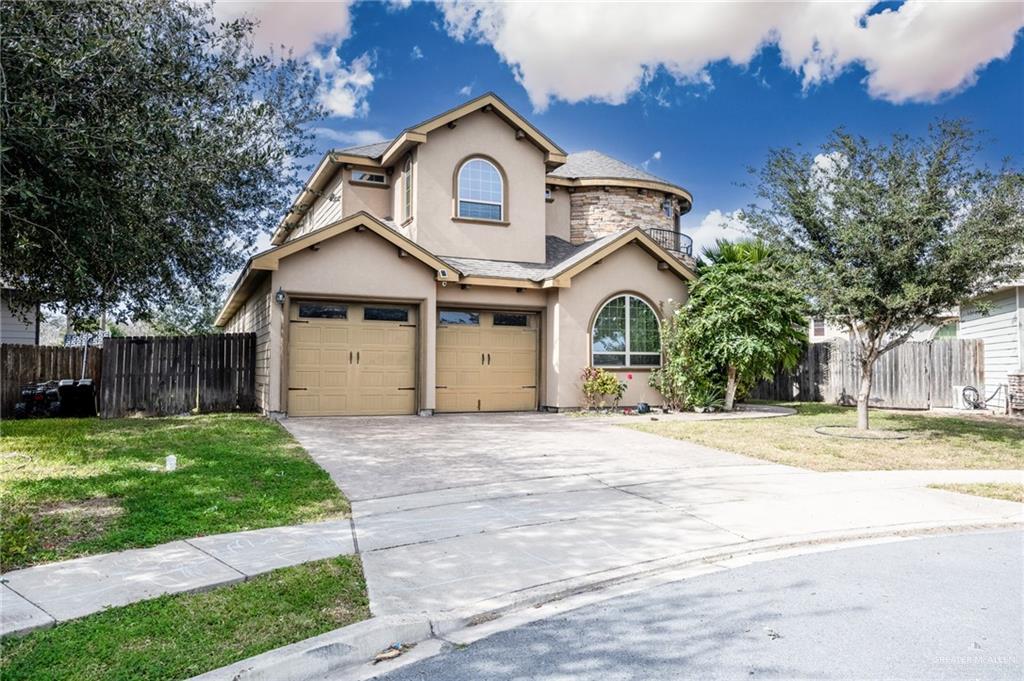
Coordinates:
x,y
323,310
407,190
610,327
480,181
643,328
485,211
385,314
508,319
459,317
644,360
610,360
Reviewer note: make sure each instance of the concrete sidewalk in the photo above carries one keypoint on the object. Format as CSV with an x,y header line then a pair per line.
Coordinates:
x,y
40,596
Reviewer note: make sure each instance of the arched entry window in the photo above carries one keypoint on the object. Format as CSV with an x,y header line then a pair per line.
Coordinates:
x,y
626,333
481,191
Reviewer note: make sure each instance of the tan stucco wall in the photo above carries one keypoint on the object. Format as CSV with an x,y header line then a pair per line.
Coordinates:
x,y
628,270
557,213
356,265
491,297
374,200
436,163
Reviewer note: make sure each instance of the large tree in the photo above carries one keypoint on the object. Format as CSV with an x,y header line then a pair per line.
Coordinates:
x,y
743,320
886,237
144,147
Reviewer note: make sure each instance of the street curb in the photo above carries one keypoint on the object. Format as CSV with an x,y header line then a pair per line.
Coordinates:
x,y
333,652
345,653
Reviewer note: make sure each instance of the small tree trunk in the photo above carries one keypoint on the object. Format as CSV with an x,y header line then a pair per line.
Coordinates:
x,y
867,368
730,388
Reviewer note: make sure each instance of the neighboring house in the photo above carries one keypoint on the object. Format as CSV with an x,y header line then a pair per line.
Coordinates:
x,y
469,264
822,331
998,319
22,326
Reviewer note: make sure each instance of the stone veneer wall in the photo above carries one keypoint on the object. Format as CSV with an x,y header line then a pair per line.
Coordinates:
x,y
595,212
1015,388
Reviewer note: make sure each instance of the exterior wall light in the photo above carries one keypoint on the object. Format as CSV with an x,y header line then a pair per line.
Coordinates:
x,y
279,296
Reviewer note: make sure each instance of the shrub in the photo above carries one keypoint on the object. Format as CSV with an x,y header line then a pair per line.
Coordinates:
x,y
598,385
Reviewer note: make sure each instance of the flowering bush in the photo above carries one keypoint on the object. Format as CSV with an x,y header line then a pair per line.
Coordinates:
x,y
598,385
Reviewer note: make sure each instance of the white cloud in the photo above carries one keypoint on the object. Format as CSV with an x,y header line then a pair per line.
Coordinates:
x,y
918,51
300,25
344,88
396,5
466,90
656,156
355,138
416,53
314,29
716,225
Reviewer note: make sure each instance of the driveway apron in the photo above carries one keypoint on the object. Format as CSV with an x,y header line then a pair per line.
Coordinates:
x,y
478,511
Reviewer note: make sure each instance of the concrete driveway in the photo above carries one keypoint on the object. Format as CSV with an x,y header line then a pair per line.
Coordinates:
x,y
485,511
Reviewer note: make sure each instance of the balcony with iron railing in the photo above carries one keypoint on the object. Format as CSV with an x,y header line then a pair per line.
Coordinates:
x,y
676,243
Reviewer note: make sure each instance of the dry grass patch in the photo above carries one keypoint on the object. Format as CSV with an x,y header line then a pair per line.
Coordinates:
x,y
933,442
1007,491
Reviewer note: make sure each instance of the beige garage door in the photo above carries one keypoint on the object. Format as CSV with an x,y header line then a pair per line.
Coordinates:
x,y
351,359
486,360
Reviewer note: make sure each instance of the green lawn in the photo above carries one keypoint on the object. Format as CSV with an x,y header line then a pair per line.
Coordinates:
x,y
72,487
176,637
934,442
1006,491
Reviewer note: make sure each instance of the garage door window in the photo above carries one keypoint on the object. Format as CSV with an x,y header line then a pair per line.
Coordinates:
x,y
507,319
626,333
323,310
459,317
385,314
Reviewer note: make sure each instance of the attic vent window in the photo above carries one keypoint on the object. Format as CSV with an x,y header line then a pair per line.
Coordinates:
x,y
369,178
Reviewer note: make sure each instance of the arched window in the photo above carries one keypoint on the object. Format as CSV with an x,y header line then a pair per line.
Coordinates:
x,y
626,333
481,191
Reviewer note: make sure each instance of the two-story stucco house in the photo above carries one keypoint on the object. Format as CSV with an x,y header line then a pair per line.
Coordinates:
x,y
468,264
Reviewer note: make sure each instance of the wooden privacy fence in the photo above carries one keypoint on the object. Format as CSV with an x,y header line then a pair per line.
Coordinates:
x,y
915,375
22,364
154,376
176,374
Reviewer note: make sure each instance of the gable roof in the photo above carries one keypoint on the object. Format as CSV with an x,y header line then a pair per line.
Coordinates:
x,y
554,155
386,152
270,259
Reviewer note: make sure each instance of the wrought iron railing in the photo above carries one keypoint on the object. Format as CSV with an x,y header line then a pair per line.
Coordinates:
x,y
674,242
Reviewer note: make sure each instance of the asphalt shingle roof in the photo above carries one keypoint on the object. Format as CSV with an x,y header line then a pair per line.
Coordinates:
x,y
584,164
595,164
560,255
367,150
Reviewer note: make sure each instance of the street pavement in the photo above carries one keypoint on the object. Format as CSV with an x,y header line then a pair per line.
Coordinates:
x,y
944,607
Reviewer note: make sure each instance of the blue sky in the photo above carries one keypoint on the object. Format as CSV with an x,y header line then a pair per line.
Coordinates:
x,y
705,106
